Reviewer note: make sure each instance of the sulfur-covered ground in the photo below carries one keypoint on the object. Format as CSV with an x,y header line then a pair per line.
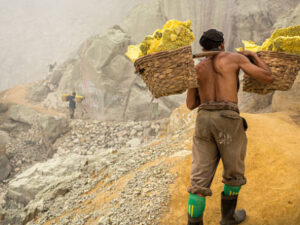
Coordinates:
x,y
272,194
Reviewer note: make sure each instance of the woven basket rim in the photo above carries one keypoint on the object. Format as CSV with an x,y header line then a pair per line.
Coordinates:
x,y
279,53
162,54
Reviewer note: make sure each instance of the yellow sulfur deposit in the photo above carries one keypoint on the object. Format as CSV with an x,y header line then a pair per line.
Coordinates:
x,y
287,44
175,34
282,40
251,46
133,52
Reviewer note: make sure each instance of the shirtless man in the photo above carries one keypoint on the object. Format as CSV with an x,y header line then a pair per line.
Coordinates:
x,y
219,131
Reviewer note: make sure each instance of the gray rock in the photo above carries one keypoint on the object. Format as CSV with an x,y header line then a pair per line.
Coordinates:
x,y
52,126
26,185
135,142
5,167
38,92
4,138
3,107
23,114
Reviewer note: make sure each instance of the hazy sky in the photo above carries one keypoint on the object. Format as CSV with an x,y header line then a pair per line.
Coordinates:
x,y
35,33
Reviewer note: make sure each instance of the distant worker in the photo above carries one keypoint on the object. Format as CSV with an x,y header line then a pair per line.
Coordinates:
x,y
72,104
51,66
220,130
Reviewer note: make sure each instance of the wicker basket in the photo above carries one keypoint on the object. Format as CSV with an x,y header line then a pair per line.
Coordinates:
x,y
168,72
64,97
79,98
284,67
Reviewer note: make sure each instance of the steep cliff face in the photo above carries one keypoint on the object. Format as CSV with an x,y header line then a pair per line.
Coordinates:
x,y
290,18
106,78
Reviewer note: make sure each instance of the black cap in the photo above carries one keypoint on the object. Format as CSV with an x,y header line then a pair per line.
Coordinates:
x,y
211,40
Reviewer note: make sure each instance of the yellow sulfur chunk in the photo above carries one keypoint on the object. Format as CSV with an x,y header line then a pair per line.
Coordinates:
x,y
283,32
157,34
287,44
188,24
251,46
173,37
175,34
186,37
266,44
282,40
154,45
239,49
133,52
178,30
145,45
286,32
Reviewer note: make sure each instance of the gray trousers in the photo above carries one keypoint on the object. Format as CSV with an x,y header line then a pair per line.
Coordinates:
x,y
72,111
219,134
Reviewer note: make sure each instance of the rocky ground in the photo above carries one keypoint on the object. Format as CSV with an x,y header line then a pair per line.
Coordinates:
x,y
137,173
89,161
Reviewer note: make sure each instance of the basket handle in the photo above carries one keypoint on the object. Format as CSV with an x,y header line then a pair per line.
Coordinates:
x,y
204,54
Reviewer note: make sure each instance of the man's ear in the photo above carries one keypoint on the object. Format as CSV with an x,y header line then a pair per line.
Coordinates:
x,y
222,46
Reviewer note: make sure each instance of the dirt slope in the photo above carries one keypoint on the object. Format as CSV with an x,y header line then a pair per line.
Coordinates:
x,y
18,95
271,195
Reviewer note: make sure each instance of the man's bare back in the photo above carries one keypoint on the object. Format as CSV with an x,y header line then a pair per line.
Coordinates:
x,y
218,77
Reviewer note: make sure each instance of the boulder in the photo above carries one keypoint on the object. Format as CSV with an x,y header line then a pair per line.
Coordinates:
x,y
181,118
4,138
26,185
143,20
23,114
51,126
38,93
5,167
3,107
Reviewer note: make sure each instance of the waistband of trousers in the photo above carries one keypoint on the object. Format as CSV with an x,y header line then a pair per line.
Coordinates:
x,y
219,106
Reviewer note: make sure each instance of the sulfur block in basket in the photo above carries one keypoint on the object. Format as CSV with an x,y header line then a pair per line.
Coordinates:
x,y
64,97
282,40
175,34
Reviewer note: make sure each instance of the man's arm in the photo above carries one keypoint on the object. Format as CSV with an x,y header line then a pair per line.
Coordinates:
x,y
260,71
192,98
